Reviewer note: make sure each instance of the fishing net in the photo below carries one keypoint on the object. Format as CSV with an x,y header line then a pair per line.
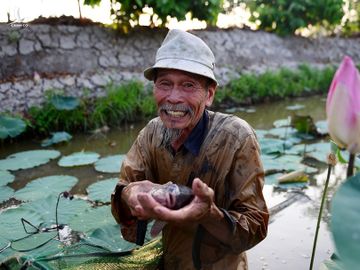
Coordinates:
x,y
84,255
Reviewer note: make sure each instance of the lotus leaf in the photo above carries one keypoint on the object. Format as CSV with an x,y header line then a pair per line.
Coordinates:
x,y
6,177
282,123
283,163
331,265
5,255
67,209
39,187
56,137
89,221
272,178
295,107
272,146
33,241
102,190
27,159
11,126
304,124
109,237
6,193
78,159
322,127
11,227
64,103
282,132
110,164
345,222
260,133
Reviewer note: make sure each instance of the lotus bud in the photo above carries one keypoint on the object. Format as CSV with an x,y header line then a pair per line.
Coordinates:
x,y
343,107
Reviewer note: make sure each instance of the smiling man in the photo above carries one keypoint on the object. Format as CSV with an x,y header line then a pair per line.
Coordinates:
x,y
215,154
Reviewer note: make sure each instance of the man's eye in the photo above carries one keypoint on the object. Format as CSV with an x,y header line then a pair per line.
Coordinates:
x,y
164,85
188,86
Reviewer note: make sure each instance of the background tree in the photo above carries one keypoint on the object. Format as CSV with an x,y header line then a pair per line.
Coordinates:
x,y
286,16
129,11
352,20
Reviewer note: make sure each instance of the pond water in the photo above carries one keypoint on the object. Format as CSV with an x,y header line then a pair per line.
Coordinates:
x,y
291,231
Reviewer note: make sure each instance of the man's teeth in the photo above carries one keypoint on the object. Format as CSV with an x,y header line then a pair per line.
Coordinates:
x,y
175,113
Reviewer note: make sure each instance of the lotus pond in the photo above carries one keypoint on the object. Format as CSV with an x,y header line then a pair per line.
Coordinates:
x,y
32,177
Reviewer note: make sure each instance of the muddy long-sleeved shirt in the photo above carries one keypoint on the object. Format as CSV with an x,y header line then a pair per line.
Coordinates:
x,y
227,159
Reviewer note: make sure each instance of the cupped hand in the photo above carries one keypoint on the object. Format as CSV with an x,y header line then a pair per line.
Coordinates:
x,y
196,211
133,195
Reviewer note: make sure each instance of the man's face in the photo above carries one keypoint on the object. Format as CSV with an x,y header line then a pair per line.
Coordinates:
x,y
181,97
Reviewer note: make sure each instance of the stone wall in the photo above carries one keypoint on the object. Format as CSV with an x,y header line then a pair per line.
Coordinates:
x,y
36,58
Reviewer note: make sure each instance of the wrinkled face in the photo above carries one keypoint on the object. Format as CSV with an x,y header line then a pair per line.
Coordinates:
x,y
181,97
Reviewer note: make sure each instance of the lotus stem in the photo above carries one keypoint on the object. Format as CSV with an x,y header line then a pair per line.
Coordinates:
x,y
319,217
350,168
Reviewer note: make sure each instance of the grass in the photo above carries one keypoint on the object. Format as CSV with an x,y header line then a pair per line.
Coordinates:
x,y
131,102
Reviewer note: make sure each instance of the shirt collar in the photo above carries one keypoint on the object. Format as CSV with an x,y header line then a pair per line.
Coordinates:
x,y
196,138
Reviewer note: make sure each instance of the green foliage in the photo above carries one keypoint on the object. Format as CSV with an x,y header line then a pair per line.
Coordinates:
x,y
285,16
49,118
271,85
352,23
130,10
121,104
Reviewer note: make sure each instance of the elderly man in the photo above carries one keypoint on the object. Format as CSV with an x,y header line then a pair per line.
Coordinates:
x,y
215,154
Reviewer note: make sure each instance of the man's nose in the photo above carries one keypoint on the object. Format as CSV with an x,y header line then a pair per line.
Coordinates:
x,y
175,95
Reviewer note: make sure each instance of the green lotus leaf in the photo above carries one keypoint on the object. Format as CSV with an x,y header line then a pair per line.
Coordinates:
x,y
345,222
331,265
260,133
27,159
92,219
45,186
273,146
6,193
284,163
6,177
11,126
67,208
64,103
282,132
56,137
318,156
102,190
110,164
78,159
304,124
295,107
109,237
272,178
6,254
282,123
322,127
34,241
11,227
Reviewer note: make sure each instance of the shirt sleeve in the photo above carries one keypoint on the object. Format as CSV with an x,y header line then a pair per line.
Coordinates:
x,y
133,169
246,211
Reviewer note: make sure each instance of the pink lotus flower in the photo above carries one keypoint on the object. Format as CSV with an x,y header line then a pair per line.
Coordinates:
x,y
343,106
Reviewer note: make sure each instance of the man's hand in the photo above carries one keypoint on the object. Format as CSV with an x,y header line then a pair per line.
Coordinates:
x,y
196,211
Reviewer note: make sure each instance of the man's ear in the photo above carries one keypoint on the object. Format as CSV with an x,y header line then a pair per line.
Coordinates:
x,y
210,94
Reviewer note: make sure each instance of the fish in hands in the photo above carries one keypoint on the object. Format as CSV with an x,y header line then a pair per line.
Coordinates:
x,y
172,196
